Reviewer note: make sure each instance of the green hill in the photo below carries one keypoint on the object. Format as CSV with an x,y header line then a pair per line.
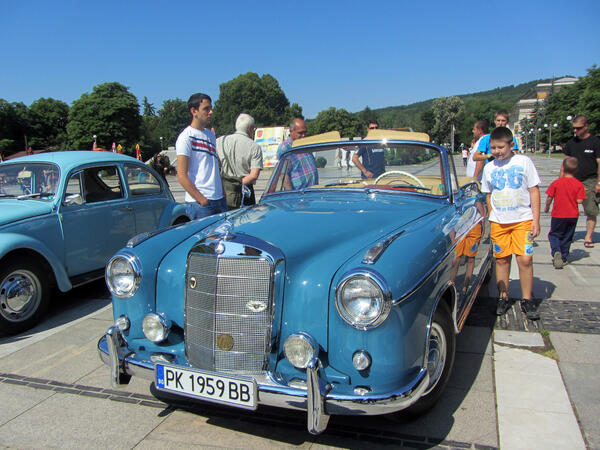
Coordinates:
x,y
479,105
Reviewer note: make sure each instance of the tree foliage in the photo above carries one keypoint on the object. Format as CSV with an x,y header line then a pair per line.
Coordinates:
x,y
110,112
261,97
583,97
447,111
48,119
349,125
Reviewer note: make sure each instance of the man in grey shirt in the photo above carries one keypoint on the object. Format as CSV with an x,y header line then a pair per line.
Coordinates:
x,y
240,156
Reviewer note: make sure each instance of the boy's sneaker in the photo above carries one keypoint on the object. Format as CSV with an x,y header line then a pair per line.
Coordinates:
x,y
530,309
557,260
502,306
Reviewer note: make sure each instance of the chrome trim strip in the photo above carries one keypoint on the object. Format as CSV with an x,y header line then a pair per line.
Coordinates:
x,y
271,393
375,252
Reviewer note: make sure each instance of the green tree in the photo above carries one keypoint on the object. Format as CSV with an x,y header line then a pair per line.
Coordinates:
x,y
148,108
111,113
15,129
349,125
447,111
261,97
48,120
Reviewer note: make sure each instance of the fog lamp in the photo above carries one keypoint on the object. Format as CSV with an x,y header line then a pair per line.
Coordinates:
x,y
299,349
123,322
156,328
361,360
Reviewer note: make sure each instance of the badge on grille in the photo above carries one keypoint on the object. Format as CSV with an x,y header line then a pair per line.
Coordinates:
x,y
256,306
192,282
225,342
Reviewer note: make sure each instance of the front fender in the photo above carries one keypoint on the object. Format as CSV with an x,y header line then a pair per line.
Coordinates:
x,y
15,241
171,213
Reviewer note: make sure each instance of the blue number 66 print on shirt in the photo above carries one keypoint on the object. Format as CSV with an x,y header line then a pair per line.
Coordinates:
x,y
513,176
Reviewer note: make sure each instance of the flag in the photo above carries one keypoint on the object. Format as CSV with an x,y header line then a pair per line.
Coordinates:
x,y
114,148
94,146
138,153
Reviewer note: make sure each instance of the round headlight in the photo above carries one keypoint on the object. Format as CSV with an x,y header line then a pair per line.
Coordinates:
x,y
299,349
123,274
156,328
363,300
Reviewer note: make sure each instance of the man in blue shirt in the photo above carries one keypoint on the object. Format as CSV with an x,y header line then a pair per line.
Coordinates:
x,y
373,159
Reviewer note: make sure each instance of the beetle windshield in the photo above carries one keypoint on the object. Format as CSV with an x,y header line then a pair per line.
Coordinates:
x,y
28,180
393,167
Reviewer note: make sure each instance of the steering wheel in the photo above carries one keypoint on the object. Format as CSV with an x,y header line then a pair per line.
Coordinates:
x,y
399,172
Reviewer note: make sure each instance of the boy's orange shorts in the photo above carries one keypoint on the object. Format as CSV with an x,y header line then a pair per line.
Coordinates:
x,y
511,239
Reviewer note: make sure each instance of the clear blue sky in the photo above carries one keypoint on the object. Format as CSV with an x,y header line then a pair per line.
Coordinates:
x,y
347,54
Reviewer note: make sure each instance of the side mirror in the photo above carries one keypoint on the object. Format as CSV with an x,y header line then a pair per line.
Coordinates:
x,y
73,199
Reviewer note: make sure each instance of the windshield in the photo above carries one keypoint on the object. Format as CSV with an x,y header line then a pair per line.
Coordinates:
x,y
28,180
392,167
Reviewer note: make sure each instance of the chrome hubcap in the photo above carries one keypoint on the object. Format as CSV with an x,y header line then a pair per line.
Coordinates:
x,y
20,295
436,355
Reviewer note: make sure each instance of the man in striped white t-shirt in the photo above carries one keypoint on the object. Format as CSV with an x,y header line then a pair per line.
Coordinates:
x,y
197,163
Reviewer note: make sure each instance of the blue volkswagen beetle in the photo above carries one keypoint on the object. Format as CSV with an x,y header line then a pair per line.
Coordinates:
x,y
335,294
62,216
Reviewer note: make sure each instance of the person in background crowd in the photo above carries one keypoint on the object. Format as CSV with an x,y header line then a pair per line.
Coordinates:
x,y
302,169
197,162
373,159
160,165
567,192
480,131
484,153
465,155
243,155
511,184
470,172
586,148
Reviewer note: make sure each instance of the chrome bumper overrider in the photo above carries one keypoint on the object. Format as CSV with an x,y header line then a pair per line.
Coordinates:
x,y
316,399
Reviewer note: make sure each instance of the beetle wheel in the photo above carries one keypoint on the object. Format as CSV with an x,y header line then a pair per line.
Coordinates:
x,y
24,296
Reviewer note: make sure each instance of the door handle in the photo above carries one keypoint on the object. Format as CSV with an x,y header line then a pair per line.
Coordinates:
x,y
127,208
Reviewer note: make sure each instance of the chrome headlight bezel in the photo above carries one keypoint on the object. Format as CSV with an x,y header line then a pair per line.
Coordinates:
x,y
380,311
134,266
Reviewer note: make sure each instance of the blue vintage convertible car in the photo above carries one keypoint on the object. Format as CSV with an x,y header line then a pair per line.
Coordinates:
x,y
62,216
335,294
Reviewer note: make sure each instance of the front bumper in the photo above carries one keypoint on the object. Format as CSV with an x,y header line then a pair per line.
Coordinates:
x,y
316,399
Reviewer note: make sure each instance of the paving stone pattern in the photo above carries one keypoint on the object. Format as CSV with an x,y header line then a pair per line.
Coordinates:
x,y
296,421
555,315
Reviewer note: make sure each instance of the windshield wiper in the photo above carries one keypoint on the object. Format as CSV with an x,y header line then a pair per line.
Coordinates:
x,y
414,186
341,183
7,195
37,194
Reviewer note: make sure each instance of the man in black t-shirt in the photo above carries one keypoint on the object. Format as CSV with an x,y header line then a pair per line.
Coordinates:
x,y
586,148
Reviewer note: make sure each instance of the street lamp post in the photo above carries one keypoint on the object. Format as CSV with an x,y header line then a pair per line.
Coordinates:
x,y
160,143
550,126
94,146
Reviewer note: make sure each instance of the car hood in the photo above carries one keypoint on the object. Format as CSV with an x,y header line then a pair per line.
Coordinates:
x,y
301,227
12,210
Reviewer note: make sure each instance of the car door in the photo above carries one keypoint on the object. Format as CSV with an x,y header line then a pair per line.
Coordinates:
x,y
96,218
147,195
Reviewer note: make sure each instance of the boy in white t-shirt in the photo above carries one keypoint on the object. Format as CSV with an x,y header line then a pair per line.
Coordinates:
x,y
197,162
511,183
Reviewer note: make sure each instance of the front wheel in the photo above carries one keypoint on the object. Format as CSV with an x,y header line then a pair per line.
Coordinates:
x,y
24,295
440,359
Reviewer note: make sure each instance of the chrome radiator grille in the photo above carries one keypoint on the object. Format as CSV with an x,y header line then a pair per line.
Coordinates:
x,y
228,312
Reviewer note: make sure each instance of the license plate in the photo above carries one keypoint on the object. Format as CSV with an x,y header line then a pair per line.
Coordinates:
x,y
228,390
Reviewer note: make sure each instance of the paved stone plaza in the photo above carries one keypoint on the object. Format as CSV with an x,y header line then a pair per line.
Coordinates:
x,y
516,384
